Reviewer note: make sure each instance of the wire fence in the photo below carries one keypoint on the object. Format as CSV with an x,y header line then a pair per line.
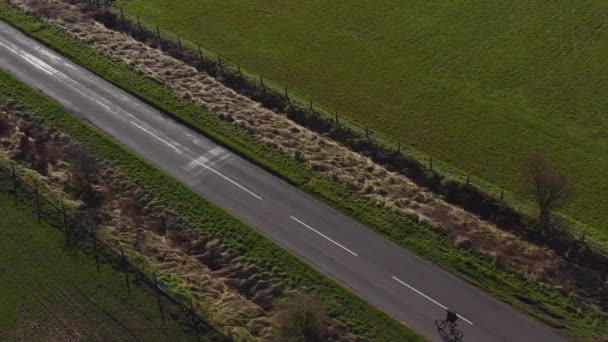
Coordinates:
x,y
491,203
78,233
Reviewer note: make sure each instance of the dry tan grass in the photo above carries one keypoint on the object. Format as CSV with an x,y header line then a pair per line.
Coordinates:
x,y
375,183
219,302
232,294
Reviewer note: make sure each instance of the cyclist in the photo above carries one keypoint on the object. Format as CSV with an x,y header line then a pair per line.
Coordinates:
x,y
451,317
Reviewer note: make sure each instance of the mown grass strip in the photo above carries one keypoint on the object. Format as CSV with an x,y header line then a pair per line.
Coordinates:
x,y
547,304
363,318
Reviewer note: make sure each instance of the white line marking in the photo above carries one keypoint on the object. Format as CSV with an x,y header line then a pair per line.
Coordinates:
x,y
231,181
157,137
429,298
325,236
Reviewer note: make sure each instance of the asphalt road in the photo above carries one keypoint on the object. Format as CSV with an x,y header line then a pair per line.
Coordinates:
x,y
407,287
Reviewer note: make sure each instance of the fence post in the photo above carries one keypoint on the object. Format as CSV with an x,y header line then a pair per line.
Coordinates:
x,y
37,200
94,238
65,224
122,14
200,54
125,265
262,82
399,147
431,163
502,195
179,42
138,23
160,42
337,119
468,179
194,319
14,175
311,109
287,96
158,299
219,61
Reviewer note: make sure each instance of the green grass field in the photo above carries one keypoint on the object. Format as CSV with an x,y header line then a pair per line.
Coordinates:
x,y
51,292
478,85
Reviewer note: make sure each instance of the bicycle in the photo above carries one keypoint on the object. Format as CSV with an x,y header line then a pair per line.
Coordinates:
x,y
452,328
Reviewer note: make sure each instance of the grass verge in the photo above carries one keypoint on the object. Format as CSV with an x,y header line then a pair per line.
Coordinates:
x,y
51,291
550,306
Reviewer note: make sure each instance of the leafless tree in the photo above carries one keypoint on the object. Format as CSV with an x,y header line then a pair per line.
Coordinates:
x,y
300,318
550,188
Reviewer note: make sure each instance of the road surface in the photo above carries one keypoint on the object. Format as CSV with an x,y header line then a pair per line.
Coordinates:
x,y
407,287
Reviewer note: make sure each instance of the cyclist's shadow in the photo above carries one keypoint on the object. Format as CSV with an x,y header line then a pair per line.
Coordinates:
x,y
448,333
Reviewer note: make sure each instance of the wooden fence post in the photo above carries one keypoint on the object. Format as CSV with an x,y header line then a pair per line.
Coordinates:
x,y
399,147
431,163
65,224
138,23
125,266
238,67
262,82
194,319
37,201
200,53
219,61
287,96
122,14
179,42
158,299
311,108
468,179
502,195
94,238
160,42
14,176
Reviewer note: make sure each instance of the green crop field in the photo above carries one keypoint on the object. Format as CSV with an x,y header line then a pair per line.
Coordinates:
x,y
478,85
50,292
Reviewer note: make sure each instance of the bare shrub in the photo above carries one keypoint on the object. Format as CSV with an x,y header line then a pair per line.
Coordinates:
x,y
300,318
4,124
83,173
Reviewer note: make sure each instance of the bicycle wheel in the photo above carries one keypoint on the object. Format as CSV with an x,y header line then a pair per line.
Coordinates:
x,y
457,335
440,324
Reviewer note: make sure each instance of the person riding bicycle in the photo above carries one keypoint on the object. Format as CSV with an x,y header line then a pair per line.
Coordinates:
x,y
451,317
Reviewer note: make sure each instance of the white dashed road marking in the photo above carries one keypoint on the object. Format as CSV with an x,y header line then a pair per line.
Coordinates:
x,y
427,297
323,235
